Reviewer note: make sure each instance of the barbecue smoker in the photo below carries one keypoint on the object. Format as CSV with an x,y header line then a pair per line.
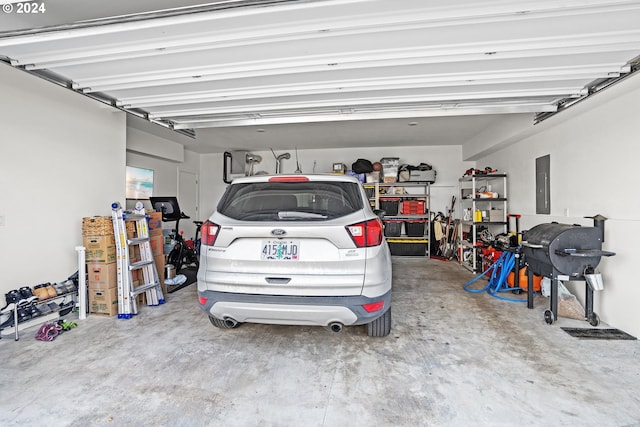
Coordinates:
x,y
565,252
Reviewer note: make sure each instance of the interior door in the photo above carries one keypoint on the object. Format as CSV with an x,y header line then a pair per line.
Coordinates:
x,y
188,200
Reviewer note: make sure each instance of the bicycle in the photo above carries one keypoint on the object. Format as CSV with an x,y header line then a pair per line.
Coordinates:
x,y
184,252
189,251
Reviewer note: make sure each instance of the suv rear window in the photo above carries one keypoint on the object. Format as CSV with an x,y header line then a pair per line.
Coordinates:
x,y
290,201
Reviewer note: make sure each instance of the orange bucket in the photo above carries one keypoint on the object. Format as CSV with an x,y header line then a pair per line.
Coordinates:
x,y
524,283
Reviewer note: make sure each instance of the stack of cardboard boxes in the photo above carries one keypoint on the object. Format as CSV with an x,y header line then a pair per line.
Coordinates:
x,y
100,246
102,281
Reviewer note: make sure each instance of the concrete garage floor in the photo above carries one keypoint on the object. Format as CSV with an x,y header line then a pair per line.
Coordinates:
x,y
453,359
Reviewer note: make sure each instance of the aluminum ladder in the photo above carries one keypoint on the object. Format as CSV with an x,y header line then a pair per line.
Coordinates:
x,y
127,291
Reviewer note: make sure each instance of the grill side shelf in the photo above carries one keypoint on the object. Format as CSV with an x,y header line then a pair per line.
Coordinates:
x,y
583,252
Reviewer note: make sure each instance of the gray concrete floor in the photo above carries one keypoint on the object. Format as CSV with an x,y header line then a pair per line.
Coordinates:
x,y
453,359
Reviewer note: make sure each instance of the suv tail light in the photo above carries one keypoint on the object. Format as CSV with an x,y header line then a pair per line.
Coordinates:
x,y
373,306
209,233
366,234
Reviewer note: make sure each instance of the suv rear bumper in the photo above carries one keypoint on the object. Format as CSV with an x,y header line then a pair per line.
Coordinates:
x,y
291,310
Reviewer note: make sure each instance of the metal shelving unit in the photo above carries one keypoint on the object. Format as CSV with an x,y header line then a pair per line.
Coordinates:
x,y
53,314
487,194
380,196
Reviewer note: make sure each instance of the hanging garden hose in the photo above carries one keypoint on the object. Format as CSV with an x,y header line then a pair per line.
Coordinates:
x,y
498,280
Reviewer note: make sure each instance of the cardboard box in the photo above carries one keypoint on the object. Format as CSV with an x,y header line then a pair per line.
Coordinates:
x,y
102,276
159,260
134,253
130,229
100,249
157,242
496,215
155,223
141,299
103,302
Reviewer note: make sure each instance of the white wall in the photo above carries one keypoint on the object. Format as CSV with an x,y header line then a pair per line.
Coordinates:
x,y
166,158
152,145
211,184
446,160
594,157
62,158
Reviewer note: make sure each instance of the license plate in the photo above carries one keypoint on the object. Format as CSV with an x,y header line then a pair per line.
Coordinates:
x,y
280,250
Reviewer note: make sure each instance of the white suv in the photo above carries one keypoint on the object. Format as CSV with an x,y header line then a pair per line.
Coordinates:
x,y
296,250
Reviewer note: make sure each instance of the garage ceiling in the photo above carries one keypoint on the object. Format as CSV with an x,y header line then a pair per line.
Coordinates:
x,y
255,74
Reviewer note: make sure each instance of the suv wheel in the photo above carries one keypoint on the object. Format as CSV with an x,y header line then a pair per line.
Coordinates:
x,y
223,324
381,327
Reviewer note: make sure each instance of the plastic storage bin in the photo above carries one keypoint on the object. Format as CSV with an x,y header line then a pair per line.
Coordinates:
x,y
392,228
413,207
390,168
415,228
390,205
408,249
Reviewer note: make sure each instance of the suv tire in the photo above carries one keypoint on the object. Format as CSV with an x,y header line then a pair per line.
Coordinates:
x,y
381,327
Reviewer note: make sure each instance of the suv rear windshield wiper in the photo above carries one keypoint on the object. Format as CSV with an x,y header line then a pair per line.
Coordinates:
x,y
297,214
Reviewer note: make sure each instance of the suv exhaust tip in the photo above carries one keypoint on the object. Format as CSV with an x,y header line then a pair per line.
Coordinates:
x,y
335,327
230,322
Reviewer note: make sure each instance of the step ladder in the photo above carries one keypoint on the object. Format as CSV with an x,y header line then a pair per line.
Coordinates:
x,y
127,291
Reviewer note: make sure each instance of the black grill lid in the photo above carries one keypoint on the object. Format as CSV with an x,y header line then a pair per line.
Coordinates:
x,y
567,248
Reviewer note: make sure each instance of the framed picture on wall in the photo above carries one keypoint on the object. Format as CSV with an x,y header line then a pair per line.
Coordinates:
x,y
139,183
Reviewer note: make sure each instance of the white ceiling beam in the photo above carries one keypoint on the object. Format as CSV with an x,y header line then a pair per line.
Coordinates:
x,y
330,26
190,49
582,43
156,46
397,83
427,111
54,34
360,60
382,102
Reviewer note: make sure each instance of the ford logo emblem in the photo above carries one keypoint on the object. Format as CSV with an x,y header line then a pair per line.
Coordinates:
x,y
278,232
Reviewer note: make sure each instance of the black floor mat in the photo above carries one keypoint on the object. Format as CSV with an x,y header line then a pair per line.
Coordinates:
x,y
190,273
598,334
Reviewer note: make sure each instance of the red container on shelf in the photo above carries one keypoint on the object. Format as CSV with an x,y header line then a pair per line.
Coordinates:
x,y
413,207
